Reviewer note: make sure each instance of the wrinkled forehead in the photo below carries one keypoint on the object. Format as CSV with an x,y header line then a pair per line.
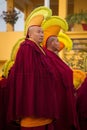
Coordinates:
x,y
52,38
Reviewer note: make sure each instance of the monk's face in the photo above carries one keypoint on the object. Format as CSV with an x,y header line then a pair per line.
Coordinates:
x,y
36,33
55,44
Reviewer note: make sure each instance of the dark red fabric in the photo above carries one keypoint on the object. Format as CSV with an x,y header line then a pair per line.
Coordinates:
x,y
82,105
67,101
36,86
12,126
3,103
31,85
45,127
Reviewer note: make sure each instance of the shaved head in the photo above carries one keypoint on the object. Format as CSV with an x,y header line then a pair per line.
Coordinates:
x,y
31,29
36,33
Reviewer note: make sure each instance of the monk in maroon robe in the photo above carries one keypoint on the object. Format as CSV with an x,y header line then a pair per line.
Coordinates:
x,y
82,105
68,117
37,89
31,83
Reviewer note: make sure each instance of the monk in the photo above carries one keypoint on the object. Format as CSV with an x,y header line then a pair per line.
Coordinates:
x,y
68,117
32,86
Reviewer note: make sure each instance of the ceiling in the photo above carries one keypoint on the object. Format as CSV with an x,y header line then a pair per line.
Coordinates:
x,y
21,4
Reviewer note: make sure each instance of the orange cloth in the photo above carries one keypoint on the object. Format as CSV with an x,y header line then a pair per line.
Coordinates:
x,y
1,77
61,46
36,20
34,122
78,77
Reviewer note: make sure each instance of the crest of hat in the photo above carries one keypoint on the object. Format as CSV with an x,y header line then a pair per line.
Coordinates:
x,y
52,26
36,20
36,17
50,31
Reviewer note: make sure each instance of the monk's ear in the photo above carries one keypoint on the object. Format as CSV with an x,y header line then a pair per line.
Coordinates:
x,y
30,34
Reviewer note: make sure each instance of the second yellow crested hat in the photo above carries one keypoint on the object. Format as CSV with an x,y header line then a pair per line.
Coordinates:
x,y
52,27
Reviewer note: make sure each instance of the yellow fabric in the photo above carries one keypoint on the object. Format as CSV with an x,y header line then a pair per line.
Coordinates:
x,y
15,48
78,77
65,39
6,68
55,20
34,122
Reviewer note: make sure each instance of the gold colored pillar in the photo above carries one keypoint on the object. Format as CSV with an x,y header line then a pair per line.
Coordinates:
x,y
63,8
10,6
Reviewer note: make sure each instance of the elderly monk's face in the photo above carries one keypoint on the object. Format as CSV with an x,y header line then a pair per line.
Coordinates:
x,y
36,33
55,44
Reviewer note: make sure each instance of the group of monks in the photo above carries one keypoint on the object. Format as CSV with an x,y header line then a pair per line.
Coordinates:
x,y
38,93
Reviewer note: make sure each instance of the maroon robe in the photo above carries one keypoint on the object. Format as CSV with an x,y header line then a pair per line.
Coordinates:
x,y
82,105
3,103
31,85
39,90
68,116
3,107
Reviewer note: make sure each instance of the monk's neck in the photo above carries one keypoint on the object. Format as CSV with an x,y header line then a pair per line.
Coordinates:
x,y
38,45
56,52
34,41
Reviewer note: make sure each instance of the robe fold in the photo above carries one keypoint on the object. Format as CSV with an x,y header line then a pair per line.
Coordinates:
x,y
64,74
3,103
31,85
39,87
82,105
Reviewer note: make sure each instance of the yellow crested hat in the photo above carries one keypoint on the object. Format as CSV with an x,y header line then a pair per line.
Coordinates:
x,y
7,66
52,27
50,31
15,48
36,17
